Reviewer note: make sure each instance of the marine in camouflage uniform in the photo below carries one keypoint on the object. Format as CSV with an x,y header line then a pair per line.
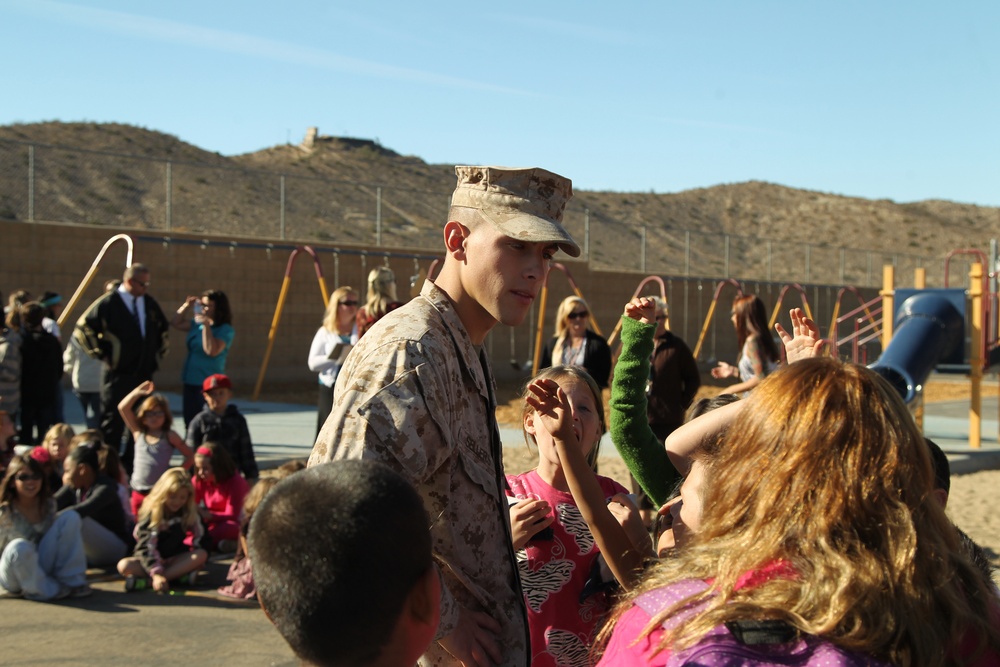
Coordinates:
x,y
418,394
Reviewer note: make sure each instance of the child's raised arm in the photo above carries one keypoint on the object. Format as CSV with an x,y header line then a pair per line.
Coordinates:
x,y
549,401
639,447
687,438
177,442
126,406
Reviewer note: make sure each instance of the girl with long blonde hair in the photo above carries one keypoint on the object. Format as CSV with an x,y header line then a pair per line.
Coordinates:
x,y
818,514
380,300
167,517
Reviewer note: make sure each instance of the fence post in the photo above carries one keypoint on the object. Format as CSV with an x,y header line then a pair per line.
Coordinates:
x,y
726,272
586,233
842,266
281,213
768,261
170,184
378,216
31,183
808,260
687,260
643,262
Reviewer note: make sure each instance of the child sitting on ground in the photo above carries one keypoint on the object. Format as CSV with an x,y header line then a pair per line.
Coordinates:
x,y
57,442
155,442
219,492
240,575
375,529
167,517
222,423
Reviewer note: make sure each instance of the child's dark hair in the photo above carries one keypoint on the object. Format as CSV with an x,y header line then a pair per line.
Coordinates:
x,y
87,452
223,466
317,542
703,405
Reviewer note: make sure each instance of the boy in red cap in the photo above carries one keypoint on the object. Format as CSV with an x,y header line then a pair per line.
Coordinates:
x,y
222,422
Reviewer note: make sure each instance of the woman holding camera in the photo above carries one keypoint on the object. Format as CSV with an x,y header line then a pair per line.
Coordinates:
x,y
207,319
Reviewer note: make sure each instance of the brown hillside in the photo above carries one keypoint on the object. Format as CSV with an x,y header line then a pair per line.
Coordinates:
x,y
331,191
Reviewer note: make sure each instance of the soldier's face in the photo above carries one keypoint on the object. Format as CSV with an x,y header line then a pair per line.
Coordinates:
x,y
504,275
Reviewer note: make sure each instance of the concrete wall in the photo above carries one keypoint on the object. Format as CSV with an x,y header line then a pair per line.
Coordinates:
x,y
42,256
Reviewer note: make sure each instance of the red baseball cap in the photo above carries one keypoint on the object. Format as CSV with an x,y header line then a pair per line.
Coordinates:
x,y
215,382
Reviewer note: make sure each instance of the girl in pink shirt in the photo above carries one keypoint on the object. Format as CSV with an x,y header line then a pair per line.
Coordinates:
x,y
219,491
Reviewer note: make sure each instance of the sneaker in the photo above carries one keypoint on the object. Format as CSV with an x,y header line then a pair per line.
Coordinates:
x,y
84,591
134,583
64,592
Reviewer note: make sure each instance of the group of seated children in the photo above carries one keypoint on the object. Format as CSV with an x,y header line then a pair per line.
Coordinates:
x,y
170,519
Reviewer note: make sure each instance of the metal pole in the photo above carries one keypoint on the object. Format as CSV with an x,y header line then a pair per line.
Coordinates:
x,y
808,260
726,273
768,261
281,215
378,216
170,182
643,263
586,233
687,266
31,183
842,266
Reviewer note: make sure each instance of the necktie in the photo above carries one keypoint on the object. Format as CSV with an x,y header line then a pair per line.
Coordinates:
x,y
135,313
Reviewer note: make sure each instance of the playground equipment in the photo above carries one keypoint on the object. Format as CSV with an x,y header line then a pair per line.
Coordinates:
x,y
281,303
781,298
928,331
711,311
85,283
540,327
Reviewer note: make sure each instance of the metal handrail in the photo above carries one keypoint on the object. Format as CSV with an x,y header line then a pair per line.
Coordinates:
x,y
85,283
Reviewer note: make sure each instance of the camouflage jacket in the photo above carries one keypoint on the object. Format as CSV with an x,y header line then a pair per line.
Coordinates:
x,y
416,394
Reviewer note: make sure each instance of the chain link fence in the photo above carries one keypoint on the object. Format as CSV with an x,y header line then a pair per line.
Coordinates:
x,y
50,183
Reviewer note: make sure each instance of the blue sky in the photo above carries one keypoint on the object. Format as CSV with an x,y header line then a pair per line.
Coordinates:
x,y
896,99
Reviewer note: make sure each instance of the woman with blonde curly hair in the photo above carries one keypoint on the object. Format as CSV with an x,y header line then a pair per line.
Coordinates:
x,y
818,520
575,344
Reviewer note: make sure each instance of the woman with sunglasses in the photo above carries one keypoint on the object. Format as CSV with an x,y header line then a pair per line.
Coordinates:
x,y
331,344
575,344
208,321
42,551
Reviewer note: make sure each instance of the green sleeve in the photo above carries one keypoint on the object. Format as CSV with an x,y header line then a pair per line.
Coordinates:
x,y
645,457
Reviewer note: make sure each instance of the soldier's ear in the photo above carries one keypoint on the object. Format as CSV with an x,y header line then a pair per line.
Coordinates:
x,y
455,236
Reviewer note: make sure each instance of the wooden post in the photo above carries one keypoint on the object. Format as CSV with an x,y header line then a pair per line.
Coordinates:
x,y
975,354
888,303
919,282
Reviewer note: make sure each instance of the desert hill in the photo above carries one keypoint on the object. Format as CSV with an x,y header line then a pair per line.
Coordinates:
x,y
333,186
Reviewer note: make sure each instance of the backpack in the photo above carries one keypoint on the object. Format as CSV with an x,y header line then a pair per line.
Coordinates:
x,y
746,643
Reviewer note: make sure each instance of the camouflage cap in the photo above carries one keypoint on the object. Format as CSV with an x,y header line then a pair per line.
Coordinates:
x,y
524,204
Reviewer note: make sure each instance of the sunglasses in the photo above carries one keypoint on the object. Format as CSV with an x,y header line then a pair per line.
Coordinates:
x,y
349,303
577,316
155,413
27,477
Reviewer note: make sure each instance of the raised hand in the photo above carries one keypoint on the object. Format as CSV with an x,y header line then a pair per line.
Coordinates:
x,y
549,401
805,341
641,309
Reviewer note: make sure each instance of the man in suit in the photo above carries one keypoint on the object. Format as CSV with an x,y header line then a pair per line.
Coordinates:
x,y
126,329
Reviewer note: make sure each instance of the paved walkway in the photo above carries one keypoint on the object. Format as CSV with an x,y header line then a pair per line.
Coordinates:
x,y
197,627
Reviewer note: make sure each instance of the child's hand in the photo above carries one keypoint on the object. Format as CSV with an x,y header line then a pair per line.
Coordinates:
x,y
160,583
146,387
641,309
724,370
527,518
627,514
806,342
549,402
